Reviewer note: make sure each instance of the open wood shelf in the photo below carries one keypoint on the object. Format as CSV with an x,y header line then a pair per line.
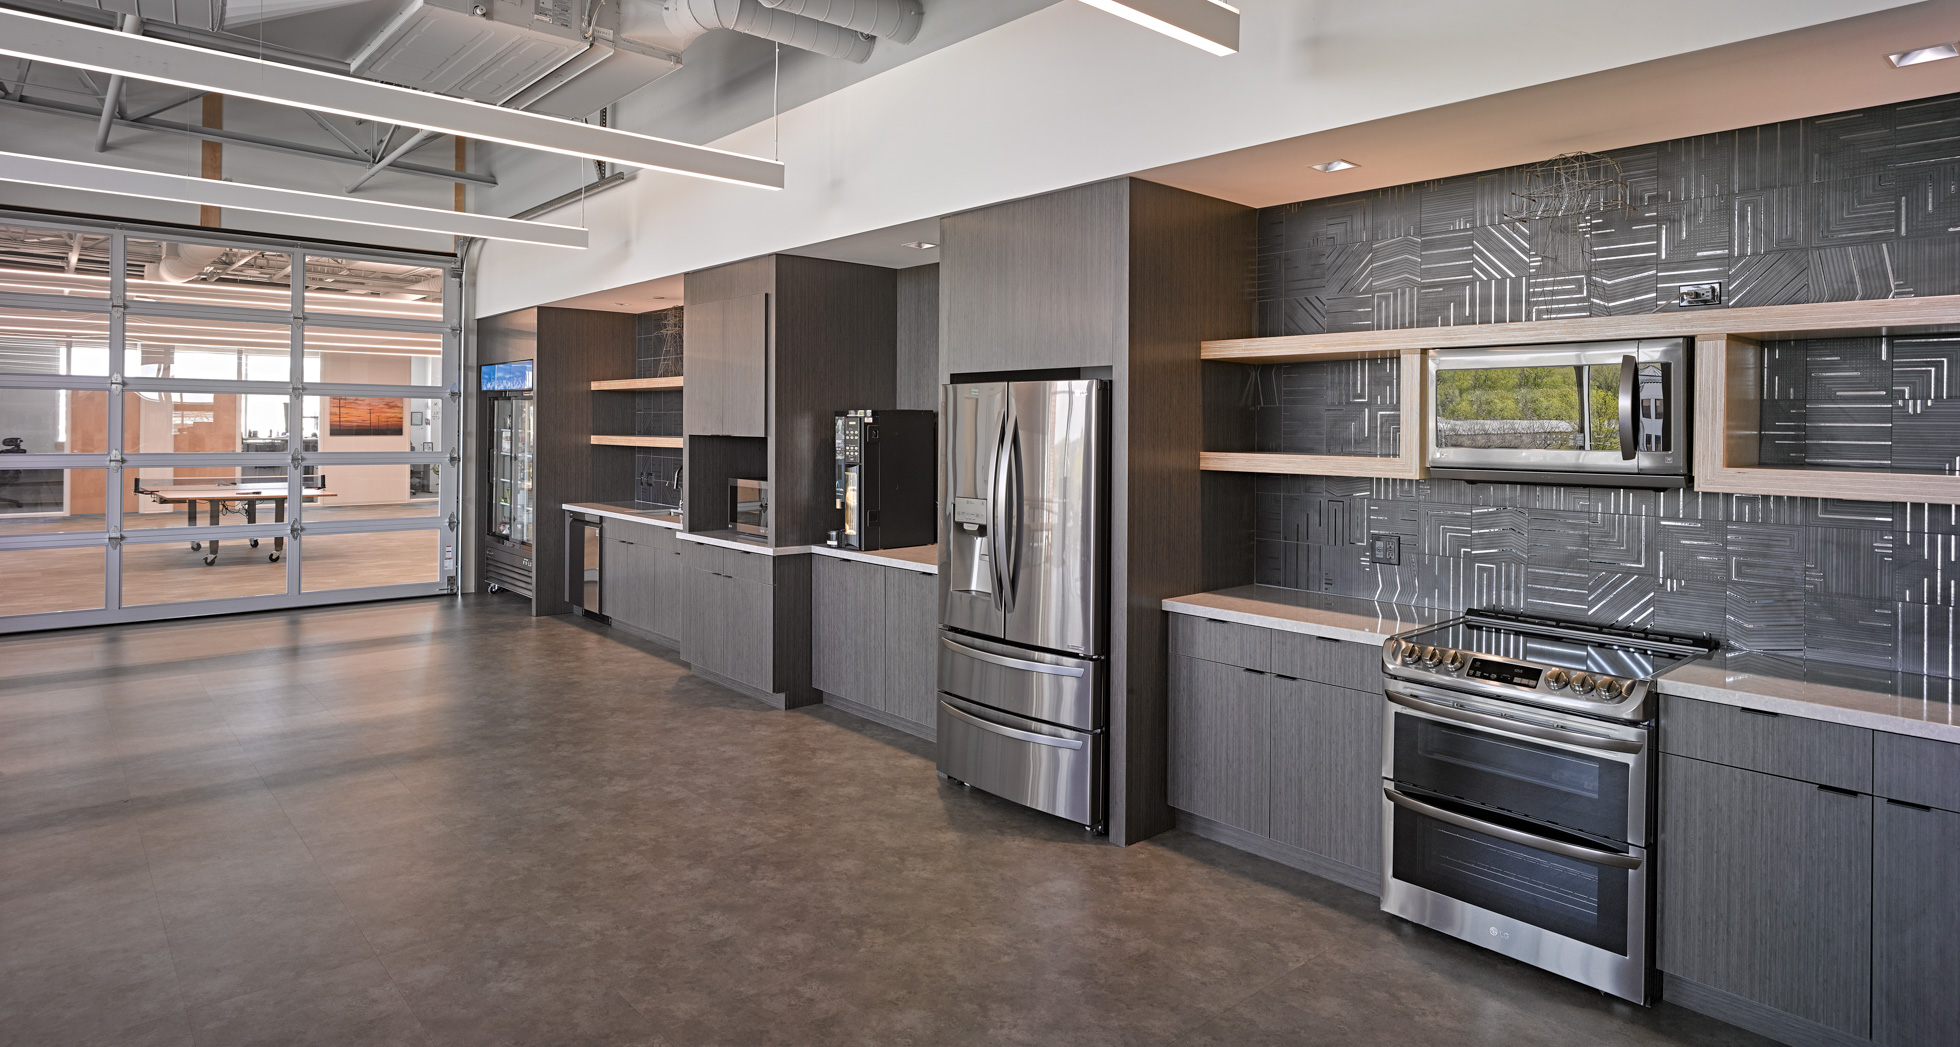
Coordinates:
x,y
1896,316
637,441
1397,468
636,385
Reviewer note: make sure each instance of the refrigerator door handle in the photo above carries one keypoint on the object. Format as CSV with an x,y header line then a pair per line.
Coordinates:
x,y
1016,511
1009,732
1012,663
994,498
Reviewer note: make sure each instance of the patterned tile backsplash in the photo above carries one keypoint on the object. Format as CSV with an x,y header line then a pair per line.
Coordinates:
x,y
658,413
1848,206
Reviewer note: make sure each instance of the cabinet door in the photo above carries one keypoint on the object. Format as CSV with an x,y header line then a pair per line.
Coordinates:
x,y
727,345
1327,771
704,636
1915,925
912,645
1220,727
847,629
669,592
1766,890
627,583
749,621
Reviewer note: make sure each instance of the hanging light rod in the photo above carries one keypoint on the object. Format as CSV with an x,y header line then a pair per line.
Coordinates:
x,y
40,38
1205,24
327,207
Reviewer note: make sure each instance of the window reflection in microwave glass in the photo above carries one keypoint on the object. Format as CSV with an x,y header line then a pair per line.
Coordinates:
x,y
1511,407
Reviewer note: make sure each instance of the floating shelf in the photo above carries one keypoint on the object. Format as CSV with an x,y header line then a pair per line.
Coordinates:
x,y
636,385
1766,322
637,441
1397,468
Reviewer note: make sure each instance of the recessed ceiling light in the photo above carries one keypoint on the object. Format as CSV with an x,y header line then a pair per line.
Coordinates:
x,y
923,245
1332,166
1924,54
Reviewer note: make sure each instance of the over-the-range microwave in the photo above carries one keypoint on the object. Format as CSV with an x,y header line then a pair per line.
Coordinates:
x,y
1612,413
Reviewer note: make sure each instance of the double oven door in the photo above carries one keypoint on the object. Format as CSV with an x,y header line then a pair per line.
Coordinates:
x,y
1521,830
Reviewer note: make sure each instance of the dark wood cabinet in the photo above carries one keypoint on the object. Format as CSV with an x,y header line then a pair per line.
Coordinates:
x,y
1327,764
1220,751
670,588
1766,890
727,367
912,646
1915,924
642,589
748,620
847,630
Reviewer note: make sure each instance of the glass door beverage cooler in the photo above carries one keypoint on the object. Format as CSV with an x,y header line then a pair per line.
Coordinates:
x,y
511,419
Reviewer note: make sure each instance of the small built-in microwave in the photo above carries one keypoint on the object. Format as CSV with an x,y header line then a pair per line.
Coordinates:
x,y
1615,412
748,508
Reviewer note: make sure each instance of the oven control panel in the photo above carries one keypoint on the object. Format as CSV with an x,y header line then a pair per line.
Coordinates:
x,y
1551,681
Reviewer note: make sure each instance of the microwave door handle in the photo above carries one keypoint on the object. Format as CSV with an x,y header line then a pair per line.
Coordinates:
x,y
1505,832
1629,436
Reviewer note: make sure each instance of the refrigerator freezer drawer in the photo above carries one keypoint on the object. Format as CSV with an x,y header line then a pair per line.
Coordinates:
x,y
1057,688
1050,769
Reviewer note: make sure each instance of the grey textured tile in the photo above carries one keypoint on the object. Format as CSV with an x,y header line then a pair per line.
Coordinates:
x,y
1592,541
1926,368
1767,554
1927,640
1766,220
1770,278
1854,272
1766,617
1770,155
1697,168
1691,607
1850,561
1693,550
1850,631
1590,595
1927,568
1452,582
1474,533
1849,145
1925,437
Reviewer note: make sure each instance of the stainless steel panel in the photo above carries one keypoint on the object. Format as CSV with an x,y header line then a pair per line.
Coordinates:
x,y
975,416
1672,352
1624,976
1051,687
1048,768
1052,480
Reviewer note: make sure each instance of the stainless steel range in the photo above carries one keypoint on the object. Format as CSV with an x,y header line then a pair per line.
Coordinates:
x,y
1517,789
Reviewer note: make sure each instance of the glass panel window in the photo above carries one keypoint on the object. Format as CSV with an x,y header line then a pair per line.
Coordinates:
x,y
1603,402
53,421
168,347
214,423
34,341
45,261
177,572
376,357
1511,407
359,561
357,287
377,492
42,501
203,274
214,496
36,581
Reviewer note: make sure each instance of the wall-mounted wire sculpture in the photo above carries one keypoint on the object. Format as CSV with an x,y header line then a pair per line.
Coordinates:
x,y
1555,208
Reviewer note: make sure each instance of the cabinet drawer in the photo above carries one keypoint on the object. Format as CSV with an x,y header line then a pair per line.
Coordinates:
x,y
1791,746
1917,770
1343,663
1228,643
628,531
731,563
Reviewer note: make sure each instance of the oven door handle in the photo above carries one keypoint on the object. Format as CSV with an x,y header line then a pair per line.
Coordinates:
x,y
1505,832
1508,726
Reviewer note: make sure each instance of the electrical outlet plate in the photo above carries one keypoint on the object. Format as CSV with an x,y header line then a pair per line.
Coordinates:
x,y
1699,294
1385,549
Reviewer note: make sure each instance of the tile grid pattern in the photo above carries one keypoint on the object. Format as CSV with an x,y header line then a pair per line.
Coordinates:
x,y
658,413
1847,206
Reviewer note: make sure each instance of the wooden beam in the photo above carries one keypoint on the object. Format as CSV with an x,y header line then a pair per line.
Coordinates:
x,y
1397,468
636,441
213,157
638,384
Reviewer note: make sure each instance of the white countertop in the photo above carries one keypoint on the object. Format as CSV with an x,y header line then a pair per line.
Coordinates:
x,y
658,516
1895,702
1900,703
1314,614
727,540
921,558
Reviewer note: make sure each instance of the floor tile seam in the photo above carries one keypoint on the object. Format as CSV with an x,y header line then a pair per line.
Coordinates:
x,y
320,869
169,946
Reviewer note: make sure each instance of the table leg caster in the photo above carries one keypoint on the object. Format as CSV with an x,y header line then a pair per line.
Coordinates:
x,y
210,558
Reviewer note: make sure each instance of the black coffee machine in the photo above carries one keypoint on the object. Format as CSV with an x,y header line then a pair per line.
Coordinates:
x,y
887,479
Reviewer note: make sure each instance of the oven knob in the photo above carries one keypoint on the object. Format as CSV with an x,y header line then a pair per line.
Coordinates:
x,y
1431,656
1555,679
1582,683
1456,661
1609,687
1395,650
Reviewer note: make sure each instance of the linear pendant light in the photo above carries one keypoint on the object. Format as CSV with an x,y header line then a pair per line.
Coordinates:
x,y
330,207
40,38
1205,24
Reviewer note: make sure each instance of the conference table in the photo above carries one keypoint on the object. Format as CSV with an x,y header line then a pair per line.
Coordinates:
x,y
229,497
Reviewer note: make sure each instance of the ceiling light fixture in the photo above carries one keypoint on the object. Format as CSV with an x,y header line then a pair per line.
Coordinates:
x,y
1924,54
43,39
1332,166
923,245
156,185
1204,24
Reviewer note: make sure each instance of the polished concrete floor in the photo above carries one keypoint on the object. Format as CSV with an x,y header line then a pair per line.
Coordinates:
x,y
443,822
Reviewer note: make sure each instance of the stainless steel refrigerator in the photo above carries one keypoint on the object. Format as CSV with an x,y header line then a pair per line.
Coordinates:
x,y
1023,584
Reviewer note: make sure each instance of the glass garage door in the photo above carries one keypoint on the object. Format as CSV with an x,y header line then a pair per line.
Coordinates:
x,y
200,426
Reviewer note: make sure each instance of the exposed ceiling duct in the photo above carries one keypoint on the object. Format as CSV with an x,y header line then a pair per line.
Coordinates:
x,y
691,18
894,20
181,263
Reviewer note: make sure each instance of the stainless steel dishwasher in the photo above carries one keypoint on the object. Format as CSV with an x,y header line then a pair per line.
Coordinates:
x,y
582,551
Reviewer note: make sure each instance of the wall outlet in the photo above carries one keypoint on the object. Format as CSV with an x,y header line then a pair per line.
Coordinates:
x,y
1699,294
1385,548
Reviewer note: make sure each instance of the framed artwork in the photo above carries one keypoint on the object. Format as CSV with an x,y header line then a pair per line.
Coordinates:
x,y
417,418
363,416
